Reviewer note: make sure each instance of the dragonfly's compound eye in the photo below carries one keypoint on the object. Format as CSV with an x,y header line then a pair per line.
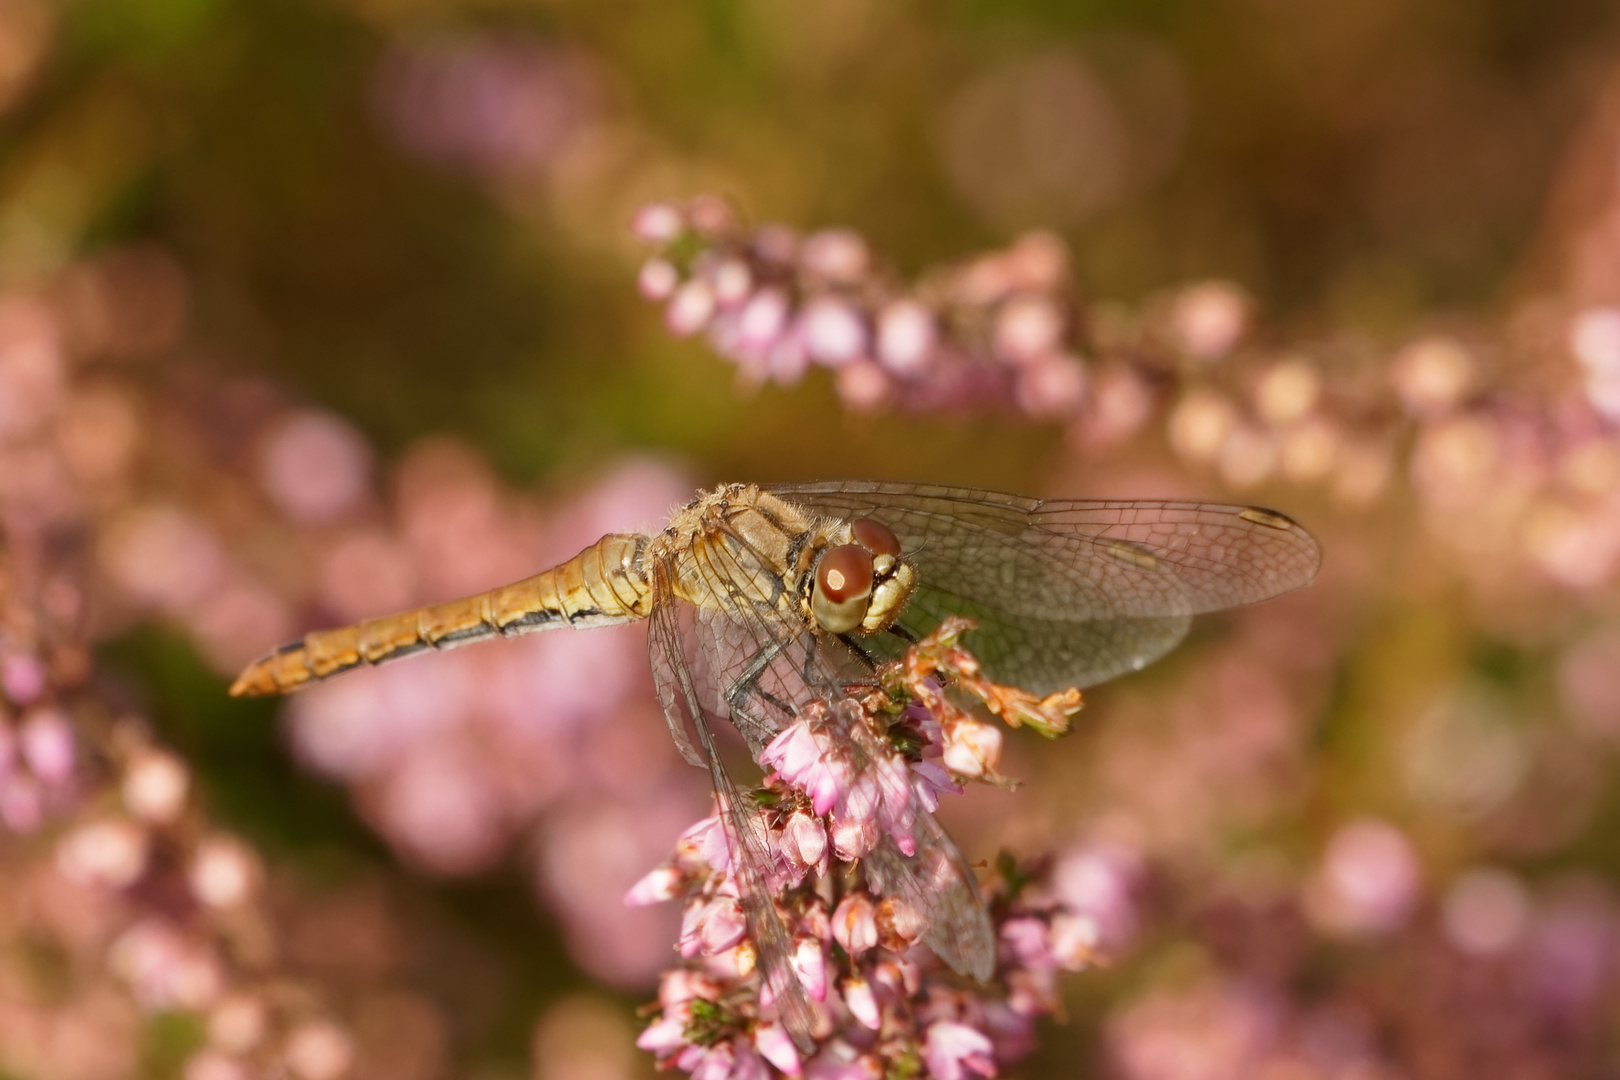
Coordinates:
x,y
843,588
875,537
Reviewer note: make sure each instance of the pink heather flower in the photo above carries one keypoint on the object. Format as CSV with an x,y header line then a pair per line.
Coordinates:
x,y
907,336
690,309
833,331
1210,319
48,745
1050,387
723,925
953,1051
658,279
711,928
1025,942
761,322
840,1061
657,223
732,282
853,837
808,763
679,986
972,749
930,780
862,1003
788,359
854,924
806,840
710,214
663,883
1074,940
1027,329
1097,882
665,1036
773,1044
22,677
315,465
1368,881
838,255
810,965
21,806
881,793
863,385
705,842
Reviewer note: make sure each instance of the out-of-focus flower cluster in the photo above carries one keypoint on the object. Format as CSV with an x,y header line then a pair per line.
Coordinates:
x,y
996,328
1495,976
841,783
123,899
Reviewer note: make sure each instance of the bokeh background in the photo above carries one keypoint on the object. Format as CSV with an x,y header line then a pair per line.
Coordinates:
x,y
313,309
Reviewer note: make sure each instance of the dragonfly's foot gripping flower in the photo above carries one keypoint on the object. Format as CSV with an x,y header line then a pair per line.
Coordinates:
x,y
845,783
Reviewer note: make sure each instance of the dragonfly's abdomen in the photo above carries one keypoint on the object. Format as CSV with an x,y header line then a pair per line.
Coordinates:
x,y
602,585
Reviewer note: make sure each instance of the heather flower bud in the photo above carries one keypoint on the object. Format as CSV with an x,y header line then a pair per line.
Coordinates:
x,y
1208,320
833,331
47,744
862,1003
898,919
907,336
1287,392
972,749
723,925
223,873
109,853
774,1045
690,309
155,786
853,837
762,321
955,1051
810,965
854,924
732,281
1028,328
319,1051
1431,376
658,279
665,1036
806,839
657,223
663,883
838,255
1074,940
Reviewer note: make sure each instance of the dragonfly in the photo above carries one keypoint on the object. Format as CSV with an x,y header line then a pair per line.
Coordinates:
x,y
765,603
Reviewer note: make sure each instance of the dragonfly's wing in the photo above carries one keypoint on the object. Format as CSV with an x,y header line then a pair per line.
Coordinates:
x,y
771,667
683,695
1072,591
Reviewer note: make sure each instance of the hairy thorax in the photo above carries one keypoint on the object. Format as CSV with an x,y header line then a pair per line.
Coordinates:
x,y
740,544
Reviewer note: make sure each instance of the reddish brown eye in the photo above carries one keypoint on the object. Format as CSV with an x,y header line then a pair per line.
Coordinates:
x,y
875,537
845,572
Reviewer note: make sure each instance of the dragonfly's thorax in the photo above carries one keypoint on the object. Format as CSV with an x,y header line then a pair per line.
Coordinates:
x,y
765,551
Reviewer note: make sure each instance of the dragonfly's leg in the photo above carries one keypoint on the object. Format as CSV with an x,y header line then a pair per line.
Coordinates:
x,y
860,651
747,683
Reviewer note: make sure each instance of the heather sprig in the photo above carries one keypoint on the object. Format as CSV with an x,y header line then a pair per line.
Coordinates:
x,y
885,1006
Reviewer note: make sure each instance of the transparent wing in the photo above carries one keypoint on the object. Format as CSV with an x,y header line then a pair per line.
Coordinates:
x,y
682,697
1072,591
769,666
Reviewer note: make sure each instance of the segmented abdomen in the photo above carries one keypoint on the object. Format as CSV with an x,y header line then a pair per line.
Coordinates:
x,y
602,585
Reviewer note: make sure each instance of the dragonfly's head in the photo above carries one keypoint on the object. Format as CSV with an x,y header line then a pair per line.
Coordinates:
x,y
862,585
